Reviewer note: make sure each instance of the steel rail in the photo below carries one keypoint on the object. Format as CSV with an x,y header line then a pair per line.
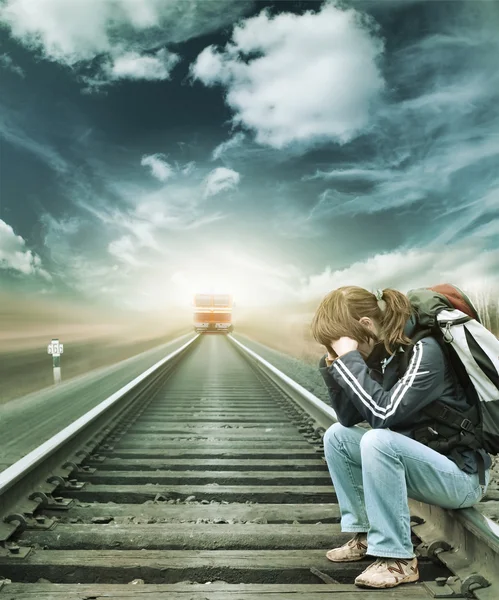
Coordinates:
x,y
49,457
466,541
323,414
19,469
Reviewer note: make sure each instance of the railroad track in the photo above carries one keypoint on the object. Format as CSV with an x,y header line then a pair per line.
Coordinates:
x,y
204,479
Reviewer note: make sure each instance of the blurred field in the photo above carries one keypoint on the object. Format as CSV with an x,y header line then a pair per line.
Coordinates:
x,y
92,339
96,338
287,328
283,328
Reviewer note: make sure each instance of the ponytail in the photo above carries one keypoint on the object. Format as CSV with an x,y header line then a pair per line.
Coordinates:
x,y
397,310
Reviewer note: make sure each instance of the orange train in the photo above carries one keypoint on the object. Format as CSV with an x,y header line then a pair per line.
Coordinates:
x,y
213,312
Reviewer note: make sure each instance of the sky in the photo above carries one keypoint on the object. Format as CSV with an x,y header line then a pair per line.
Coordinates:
x,y
151,149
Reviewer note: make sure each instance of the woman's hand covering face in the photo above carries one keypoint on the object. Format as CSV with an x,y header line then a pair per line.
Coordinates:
x,y
344,345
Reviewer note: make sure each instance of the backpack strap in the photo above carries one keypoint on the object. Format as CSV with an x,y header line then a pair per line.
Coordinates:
x,y
458,374
466,435
443,413
466,430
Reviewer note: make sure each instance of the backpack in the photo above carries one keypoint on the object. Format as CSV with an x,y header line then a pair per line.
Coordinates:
x,y
447,314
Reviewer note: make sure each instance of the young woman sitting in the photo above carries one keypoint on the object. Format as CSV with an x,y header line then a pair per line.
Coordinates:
x,y
374,471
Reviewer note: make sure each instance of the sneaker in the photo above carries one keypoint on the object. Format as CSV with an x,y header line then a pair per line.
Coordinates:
x,y
389,572
353,550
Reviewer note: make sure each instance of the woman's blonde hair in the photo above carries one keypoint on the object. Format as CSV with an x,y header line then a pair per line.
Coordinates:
x,y
339,312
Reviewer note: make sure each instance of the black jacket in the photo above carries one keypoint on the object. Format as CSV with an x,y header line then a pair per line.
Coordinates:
x,y
359,392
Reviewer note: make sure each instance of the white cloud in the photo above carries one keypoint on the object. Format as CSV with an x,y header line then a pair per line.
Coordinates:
x,y
158,165
465,265
231,268
449,126
489,230
188,169
298,78
66,32
163,170
219,180
64,226
233,142
132,65
7,63
174,212
118,32
77,248
59,241
210,67
437,172
125,250
140,231
353,174
15,256
12,131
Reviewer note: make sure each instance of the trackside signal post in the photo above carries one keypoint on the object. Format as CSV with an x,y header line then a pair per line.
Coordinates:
x,y
55,348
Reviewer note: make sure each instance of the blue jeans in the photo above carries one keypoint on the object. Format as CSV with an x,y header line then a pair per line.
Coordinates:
x,y
375,471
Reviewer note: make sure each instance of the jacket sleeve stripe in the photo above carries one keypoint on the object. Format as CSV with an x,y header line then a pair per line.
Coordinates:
x,y
398,392
409,377
402,386
353,383
349,382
